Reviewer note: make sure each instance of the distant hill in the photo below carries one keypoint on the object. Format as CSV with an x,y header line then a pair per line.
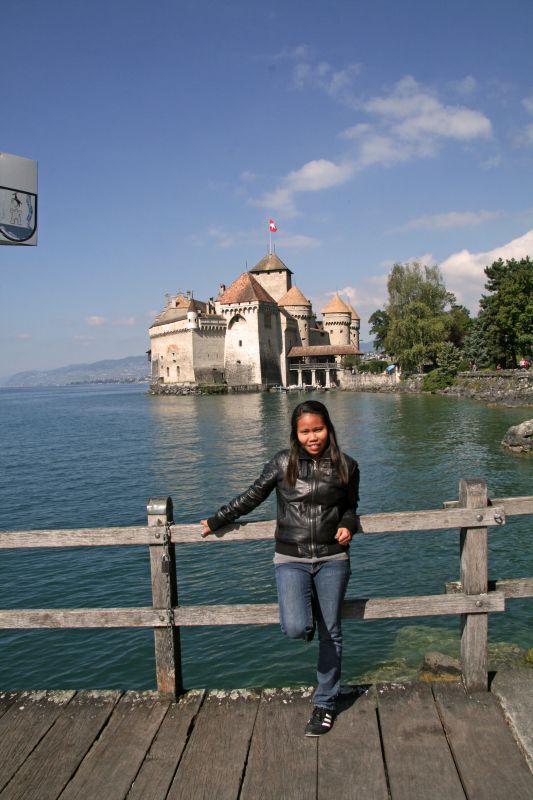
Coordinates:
x,y
366,347
134,369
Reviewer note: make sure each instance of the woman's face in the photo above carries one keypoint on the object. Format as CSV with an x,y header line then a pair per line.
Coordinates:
x,y
312,434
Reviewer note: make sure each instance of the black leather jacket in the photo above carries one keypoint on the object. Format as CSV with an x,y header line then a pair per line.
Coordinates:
x,y
309,513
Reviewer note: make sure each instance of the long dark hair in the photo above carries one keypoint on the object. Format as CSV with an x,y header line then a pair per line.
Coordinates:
x,y
337,459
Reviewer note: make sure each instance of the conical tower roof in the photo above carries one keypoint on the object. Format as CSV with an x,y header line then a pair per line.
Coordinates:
x,y
337,306
245,289
355,315
271,263
294,297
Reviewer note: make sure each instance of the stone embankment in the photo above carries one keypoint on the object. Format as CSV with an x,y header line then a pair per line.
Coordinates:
x,y
183,389
510,387
368,382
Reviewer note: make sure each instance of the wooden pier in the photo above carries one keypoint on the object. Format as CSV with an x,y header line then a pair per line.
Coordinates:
x,y
389,742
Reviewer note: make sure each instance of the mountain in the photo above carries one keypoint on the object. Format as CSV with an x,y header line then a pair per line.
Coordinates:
x,y
367,347
134,369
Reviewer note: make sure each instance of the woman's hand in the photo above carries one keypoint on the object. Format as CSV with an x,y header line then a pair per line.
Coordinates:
x,y
206,529
343,536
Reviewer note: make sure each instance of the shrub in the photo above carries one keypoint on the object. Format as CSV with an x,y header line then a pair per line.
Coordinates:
x,y
436,381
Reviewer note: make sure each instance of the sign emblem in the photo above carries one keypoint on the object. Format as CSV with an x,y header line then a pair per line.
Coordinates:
x,y
18,214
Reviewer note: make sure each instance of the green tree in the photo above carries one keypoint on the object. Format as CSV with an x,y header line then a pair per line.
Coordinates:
x,y
379,326
475,349
418,319
507,310
448,358
460,324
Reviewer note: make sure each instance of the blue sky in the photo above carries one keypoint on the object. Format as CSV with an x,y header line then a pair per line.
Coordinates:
x,y
167,133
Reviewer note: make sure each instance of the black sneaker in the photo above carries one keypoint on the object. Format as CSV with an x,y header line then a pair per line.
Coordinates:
x,y
320,722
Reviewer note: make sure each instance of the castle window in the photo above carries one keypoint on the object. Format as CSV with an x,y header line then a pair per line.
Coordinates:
x,y
268,319
168,372
238,362
240,342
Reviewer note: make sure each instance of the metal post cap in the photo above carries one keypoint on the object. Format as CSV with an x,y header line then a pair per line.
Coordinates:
x,y
162,506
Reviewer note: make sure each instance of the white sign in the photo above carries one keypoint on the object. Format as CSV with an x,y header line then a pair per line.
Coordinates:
x,y
18,200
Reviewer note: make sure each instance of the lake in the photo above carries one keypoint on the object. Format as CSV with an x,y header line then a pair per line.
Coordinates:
x,y
89,456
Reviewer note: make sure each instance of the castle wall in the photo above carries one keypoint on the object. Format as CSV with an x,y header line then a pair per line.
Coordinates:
x,y
208,343
172,357
276,283
241,356
185,354
270,344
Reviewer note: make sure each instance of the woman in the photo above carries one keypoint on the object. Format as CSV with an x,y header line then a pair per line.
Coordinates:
x,y
317,488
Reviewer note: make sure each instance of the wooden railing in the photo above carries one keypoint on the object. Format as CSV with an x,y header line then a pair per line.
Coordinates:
x,y
471,597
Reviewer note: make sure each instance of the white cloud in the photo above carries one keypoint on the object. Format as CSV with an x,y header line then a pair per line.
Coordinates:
x,y
312,177
95,320
413,111
23,337
464,271
409,121
247,176
451,219
336,83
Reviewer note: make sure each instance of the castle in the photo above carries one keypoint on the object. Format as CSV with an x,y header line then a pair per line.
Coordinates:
x,y
259,332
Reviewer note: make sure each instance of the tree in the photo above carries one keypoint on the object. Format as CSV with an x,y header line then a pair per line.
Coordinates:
x,y
418,320
507,311
379,326
448,358
460,324
475,350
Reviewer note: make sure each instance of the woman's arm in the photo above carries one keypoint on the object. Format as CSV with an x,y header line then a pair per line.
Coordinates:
x,y
247,501
348,520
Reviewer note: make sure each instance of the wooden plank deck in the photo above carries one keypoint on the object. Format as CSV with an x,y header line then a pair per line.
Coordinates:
x,y
394,741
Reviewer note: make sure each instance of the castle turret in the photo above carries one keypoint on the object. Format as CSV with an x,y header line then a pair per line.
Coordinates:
x,y
273,275
337,321
300,308
192,316
354,326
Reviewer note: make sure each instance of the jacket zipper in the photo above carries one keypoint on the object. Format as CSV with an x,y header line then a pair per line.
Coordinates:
x,y
314,486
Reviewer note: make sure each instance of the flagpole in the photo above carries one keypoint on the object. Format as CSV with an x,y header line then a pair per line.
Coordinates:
x,y
269,240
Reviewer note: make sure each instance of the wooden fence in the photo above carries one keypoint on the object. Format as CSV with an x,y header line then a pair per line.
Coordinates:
x,y
473,597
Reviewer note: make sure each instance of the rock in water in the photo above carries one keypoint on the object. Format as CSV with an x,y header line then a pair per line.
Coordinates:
x,y
519,438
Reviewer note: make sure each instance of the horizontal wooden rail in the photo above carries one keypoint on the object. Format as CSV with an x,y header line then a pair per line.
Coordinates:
x,y
473,597
246,614
513,589
393,522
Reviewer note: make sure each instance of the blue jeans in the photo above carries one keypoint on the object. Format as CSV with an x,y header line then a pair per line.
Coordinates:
x,y
310,593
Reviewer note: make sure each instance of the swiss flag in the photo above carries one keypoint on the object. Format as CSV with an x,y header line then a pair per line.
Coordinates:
x,y
272,226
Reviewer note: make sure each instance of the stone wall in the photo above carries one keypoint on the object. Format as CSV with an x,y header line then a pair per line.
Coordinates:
x,y
368,382
512,387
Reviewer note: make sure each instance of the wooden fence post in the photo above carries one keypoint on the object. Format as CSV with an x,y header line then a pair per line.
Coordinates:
x,y
165,597
474,580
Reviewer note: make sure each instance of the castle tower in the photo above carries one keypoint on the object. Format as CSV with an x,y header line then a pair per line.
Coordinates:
x,y
337,321
354,326
192,316
273,275
300,308
253,334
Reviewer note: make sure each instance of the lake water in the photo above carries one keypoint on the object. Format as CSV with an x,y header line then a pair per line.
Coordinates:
x,y
91,456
